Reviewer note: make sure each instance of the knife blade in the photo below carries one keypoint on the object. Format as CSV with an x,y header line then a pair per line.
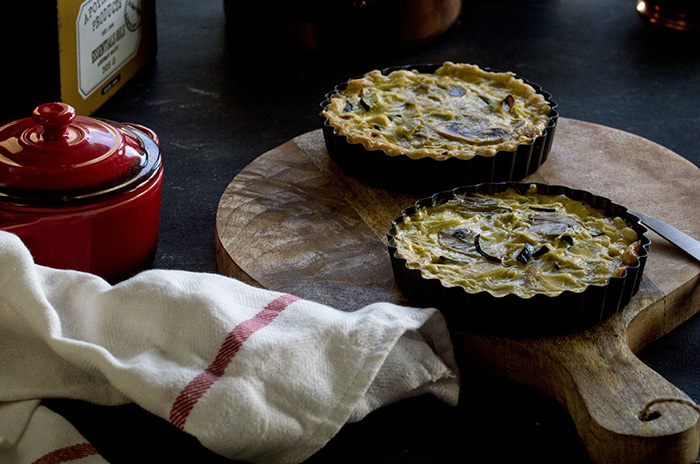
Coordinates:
x,y
682,240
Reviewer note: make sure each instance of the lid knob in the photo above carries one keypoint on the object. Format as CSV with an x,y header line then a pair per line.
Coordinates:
x,y
54,118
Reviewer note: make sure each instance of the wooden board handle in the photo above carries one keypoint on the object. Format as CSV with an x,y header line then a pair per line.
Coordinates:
x,y
604,387
606,393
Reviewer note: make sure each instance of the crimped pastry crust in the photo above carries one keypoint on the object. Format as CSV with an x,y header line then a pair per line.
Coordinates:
x,y
517,243
458,111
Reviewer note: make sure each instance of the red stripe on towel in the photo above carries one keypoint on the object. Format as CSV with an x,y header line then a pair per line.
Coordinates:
x,y
189,396
70,453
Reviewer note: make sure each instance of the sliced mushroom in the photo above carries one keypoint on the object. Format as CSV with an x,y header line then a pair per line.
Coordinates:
x,y
476,204
459,240
506,105
551,224
473,133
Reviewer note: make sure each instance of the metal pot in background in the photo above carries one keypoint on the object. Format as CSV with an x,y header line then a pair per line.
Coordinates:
x,y
342,25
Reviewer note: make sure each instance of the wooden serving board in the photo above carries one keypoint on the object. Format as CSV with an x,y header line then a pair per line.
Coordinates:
x,y
292,222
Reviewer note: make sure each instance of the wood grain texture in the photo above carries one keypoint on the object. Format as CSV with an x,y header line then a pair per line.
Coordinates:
x,y
292,222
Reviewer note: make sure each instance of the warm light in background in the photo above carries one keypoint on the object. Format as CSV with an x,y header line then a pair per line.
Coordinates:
x,y
681,15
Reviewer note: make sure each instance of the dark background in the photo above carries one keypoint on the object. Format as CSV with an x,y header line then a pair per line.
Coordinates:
x,y
219,96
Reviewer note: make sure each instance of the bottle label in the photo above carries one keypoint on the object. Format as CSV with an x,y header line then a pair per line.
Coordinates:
x,y
108,33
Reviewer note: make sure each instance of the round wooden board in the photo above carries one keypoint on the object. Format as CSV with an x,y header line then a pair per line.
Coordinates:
x,y
292,222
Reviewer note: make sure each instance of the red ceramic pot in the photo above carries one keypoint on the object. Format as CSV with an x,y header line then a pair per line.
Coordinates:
x,y
82,193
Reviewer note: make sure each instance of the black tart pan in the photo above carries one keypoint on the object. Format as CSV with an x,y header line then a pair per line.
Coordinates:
x,y
512,315
426,175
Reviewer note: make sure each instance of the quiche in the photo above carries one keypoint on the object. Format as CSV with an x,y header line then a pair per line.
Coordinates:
x,y
516,242
457,111
518,259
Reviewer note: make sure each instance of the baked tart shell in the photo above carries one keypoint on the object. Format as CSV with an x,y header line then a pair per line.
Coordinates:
x,y
512,315
426,175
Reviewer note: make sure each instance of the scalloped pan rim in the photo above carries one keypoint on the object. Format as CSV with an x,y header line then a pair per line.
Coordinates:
x,y
426,174
510,314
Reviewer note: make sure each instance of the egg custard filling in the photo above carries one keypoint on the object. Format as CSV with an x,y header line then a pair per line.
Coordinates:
x,y
458,111
516,243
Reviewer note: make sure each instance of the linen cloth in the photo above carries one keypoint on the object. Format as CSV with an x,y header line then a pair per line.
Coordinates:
x,y
255,375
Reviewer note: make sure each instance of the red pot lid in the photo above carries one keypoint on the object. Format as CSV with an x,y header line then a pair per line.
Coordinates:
x,y
57,154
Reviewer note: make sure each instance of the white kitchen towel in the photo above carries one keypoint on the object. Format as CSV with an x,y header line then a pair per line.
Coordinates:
x,y
255,375
32,433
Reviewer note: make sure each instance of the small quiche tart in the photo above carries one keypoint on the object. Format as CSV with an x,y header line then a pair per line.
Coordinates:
x,y
457,111
441,117
526,241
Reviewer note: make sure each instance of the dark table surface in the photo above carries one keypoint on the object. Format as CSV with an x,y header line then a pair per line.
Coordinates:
x,y
218,101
